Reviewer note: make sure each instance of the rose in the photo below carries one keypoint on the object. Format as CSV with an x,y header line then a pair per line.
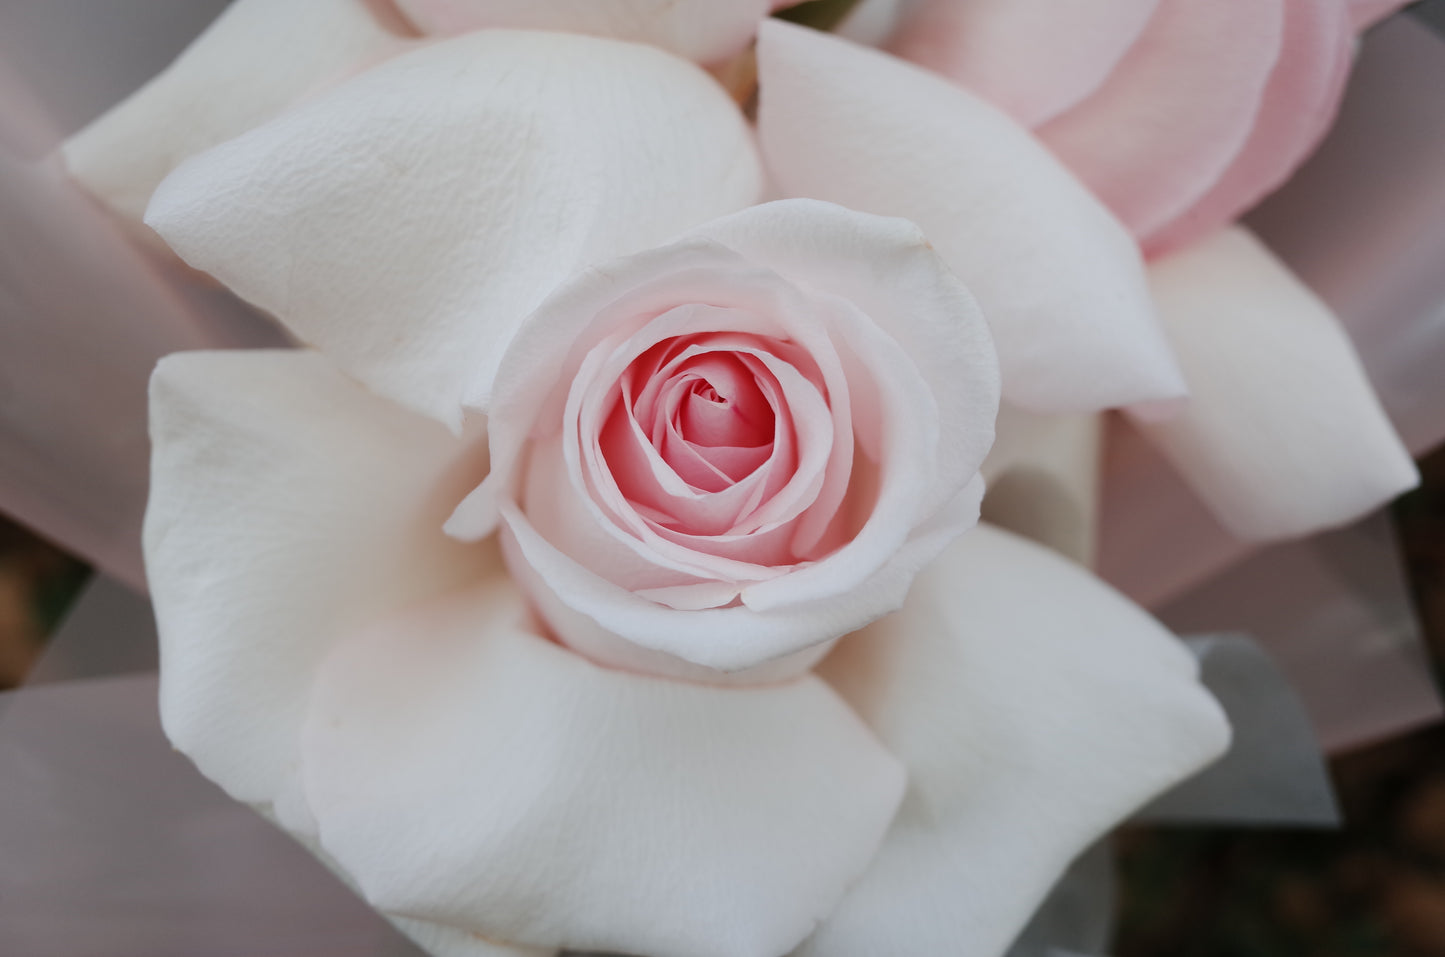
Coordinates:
x,y
778,420
1180,114
382,690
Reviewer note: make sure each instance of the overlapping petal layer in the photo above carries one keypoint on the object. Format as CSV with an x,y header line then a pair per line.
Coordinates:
x,y
1175,111
288,508
1297,107
1059,279
1179,114
258,58
1282,434
885,384
1033,708
408,220
562,804
1034,58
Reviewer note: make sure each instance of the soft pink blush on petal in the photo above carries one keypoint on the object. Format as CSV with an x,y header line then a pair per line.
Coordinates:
x,y
1034,58
1176,112
719,510
679,430
1299,105
627,450
594,390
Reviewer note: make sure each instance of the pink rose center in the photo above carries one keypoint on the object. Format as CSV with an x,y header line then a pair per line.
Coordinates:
x,y
701,432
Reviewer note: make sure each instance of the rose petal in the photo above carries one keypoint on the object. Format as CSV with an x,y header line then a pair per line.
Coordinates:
x,y
562,804
702,30
408,220
1043,480
1059,280
1034,58
288,507
1299,105
259,57
591,612
1283,434
1034,708
1176,111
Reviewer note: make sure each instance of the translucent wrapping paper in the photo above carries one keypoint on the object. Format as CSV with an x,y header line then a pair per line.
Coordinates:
x,y
85,311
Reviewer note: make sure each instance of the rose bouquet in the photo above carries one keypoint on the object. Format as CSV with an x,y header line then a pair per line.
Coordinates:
x,y
605,573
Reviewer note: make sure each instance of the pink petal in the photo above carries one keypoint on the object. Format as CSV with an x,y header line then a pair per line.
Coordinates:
x,y
1034,58
585,607
1299,106
1176,111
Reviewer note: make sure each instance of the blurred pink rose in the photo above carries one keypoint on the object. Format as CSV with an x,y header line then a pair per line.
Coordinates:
x,y
1180,114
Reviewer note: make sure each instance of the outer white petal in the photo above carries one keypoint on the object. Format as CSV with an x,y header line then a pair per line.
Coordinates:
x,y
1059,279
288,507
1034,709
702,30
1283,434
468,772
408,220
259,57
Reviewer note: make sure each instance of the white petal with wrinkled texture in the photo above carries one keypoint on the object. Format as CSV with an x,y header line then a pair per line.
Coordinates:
x,y
408,220
702,30
288,506
1282,434
562,804
1034,709
1059,279
258,58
